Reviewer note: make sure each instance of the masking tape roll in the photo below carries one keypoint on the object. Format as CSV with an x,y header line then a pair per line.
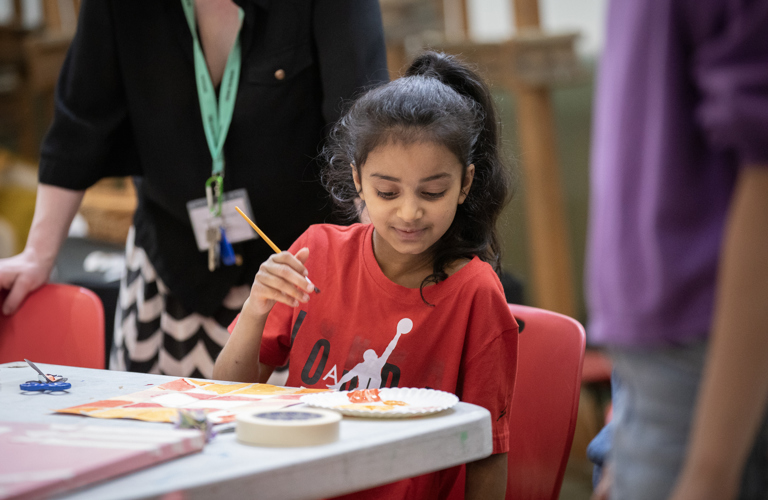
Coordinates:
x,y
299,427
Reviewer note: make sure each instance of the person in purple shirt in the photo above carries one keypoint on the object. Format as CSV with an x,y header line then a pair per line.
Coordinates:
x,y
677,267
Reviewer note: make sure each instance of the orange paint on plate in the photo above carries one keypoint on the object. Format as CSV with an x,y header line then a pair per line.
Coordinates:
x,y
395,403
364,396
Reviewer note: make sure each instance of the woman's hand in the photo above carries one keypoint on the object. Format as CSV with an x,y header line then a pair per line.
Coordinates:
x,y
55,208
281,278
20,275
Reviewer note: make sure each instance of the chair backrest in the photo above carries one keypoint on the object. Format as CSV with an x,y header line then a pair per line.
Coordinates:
x,y
58,324
545,402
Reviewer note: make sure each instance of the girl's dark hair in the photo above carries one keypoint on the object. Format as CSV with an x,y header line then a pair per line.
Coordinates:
x,y
439,100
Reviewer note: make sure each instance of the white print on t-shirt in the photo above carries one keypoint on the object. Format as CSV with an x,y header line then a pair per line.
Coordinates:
x,y
331,373
368,372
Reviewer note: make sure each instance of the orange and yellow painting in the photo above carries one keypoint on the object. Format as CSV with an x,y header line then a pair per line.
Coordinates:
x,y
220,400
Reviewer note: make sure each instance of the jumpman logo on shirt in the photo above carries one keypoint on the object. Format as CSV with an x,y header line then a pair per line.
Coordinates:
x,y
368,372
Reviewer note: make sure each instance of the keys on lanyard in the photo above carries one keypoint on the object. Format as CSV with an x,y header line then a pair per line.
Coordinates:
x,y
213,236
220,250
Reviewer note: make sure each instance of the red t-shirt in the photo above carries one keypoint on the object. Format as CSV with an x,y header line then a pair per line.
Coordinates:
x,y
346,336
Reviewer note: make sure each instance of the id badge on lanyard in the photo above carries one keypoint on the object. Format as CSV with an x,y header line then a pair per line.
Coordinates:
x,y
217,116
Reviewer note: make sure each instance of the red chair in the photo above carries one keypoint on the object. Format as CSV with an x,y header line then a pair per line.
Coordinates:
x,y
545,402
57,324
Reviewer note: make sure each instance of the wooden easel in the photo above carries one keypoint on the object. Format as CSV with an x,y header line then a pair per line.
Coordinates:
x,y
528,65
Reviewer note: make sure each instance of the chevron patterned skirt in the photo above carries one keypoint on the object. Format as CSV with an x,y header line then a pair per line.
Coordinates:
x,y
153,331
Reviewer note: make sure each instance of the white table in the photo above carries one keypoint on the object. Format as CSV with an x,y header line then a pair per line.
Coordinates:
x,y
369,452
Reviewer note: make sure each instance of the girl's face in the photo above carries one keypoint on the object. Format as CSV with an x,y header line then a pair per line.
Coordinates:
x,y
411,193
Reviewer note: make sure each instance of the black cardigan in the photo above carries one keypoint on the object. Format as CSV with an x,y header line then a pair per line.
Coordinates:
x,y
126,104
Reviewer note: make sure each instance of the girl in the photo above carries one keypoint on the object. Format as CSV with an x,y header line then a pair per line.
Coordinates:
x,y
421,154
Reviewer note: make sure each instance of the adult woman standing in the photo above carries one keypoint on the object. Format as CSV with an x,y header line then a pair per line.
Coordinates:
x,y
131,100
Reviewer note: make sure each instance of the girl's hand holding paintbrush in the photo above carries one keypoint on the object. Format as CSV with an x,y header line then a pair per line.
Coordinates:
x,y
281,278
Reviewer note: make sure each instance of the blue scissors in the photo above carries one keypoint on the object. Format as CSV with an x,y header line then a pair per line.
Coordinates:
x,y
45,382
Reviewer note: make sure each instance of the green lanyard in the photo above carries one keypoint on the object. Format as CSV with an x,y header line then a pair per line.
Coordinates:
x,y
216,117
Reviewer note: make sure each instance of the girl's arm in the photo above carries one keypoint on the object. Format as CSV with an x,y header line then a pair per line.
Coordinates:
x,y
487,478
238,361
282,278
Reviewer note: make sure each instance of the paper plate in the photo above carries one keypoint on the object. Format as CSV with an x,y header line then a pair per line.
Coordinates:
x,y
416,402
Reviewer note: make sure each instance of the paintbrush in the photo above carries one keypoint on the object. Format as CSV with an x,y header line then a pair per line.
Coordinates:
x,y
265,237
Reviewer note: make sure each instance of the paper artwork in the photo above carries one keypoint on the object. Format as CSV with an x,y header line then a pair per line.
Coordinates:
x,y
221,400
